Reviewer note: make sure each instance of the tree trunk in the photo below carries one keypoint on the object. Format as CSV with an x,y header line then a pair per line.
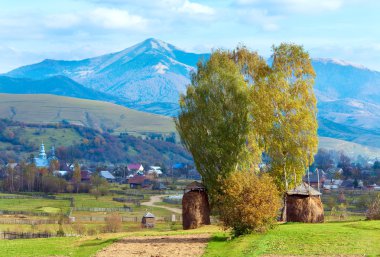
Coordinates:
x,y
283,210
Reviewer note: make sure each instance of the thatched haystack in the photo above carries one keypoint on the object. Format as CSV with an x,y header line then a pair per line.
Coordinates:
x,y
148,220
195,206
303,204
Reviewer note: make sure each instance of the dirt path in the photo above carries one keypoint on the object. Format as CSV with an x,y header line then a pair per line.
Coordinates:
x,y
158,246
158,198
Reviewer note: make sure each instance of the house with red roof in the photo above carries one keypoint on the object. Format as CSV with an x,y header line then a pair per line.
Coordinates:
x,y
139,181
135,167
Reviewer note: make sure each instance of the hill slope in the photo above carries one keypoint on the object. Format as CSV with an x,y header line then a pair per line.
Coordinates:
x,y
89,113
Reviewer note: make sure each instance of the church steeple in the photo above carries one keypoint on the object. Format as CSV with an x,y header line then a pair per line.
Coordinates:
x,y
42,154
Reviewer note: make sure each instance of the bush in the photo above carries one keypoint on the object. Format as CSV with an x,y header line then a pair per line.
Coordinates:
x,y
92,231
113,223
248,202
373,212
79,229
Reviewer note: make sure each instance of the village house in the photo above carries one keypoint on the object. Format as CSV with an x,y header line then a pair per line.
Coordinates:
x,y
85,175
154,170
135,168
107,175
139,181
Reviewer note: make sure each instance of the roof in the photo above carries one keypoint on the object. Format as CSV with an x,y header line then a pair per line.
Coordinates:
x,y
106,174
149,215
85,174
135,166
137,179
158,172
179,166
60,172
12,165
303,189
195,185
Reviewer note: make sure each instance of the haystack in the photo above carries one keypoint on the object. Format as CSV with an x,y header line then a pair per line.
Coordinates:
x,y
195,206
303,204
148,220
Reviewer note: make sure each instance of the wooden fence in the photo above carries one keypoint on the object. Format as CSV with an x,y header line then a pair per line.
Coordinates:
x,y
127,219
98,209
23,235
127,200
27,221
29,213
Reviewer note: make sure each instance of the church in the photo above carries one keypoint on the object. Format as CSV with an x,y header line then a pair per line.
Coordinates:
x,y
42,161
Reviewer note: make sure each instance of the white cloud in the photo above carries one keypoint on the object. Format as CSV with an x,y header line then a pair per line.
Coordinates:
x,y
261,18
293,6
116,19
194,8
62,21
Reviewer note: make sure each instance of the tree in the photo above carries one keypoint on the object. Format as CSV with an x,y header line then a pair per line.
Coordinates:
x,y
293,139
30,176
99,186
249,202
53,166
77,176
345,164
323,160
214,119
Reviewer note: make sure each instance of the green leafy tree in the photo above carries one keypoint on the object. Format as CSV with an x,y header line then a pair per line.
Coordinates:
x,y
238,107
214,120
77,176
99,186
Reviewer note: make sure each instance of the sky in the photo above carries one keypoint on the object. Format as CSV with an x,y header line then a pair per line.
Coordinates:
x,y
31,31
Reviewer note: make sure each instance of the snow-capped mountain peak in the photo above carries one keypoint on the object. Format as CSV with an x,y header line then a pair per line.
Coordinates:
x,y
340,62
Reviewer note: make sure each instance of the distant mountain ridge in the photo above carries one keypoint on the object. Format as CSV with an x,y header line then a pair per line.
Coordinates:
x,y
149,76
149,72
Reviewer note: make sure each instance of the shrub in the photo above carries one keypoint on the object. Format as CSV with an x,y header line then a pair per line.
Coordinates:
x,y
80,229
373,212
92,231
113,223
249,202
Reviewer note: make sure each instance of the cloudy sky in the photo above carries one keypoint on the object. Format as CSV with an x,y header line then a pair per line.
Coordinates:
x,y
31,31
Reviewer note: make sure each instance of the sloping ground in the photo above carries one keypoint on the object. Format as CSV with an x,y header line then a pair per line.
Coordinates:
x,y
94,114
350,148
358,238
158,246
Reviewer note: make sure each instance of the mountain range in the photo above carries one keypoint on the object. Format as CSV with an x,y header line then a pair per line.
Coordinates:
x,y
149,76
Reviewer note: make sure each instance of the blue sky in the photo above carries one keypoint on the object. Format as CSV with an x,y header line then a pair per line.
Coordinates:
x,y
31,31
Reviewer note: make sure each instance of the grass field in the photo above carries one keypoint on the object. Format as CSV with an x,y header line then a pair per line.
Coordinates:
x,y
359,238
53,136
94,114
35,205
79,246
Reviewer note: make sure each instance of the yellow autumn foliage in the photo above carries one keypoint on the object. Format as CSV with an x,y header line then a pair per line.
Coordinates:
x,y
249,202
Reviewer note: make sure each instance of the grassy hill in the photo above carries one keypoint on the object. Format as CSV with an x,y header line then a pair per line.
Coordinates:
x,y
350,148
19,140
42,109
